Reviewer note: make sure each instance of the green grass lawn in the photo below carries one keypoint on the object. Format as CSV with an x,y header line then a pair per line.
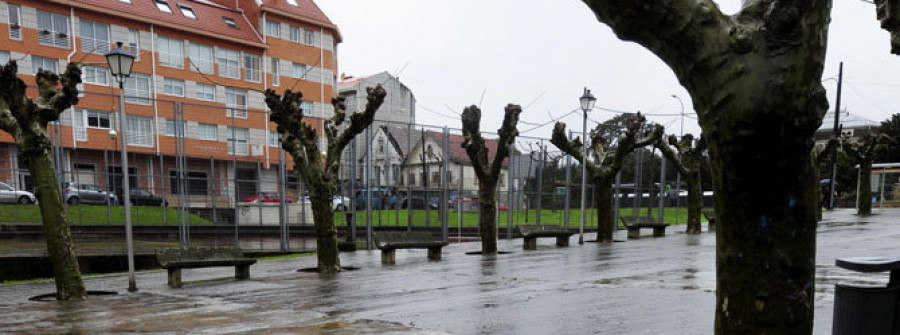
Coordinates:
x,y
97,215
470,219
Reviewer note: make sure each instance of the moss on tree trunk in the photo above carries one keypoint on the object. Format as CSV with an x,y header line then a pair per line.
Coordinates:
x,y
695,202
606,220
487,218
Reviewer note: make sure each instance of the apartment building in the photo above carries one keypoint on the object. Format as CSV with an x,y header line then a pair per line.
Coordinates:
x,y
195,100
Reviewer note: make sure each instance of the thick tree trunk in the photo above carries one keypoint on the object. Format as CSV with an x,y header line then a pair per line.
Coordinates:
x,y
487,220
765,262
60,246
865,188
606,220
327,252
695,202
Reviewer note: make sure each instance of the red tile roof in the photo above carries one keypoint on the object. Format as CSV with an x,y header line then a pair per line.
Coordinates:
x,y
458,153
209,16
305,8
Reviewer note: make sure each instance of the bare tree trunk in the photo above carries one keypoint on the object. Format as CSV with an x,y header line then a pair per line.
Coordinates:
x,y
695,201
606,219
60,246
865,188
326,234
487,220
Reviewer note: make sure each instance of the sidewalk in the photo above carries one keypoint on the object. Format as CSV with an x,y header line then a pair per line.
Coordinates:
x,y
647,286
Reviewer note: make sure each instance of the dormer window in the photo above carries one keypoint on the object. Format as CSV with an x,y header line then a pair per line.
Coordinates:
x,y
163,6
187,11
230,22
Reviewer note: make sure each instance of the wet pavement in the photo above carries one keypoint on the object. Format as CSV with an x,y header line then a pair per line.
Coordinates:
x,y
647,286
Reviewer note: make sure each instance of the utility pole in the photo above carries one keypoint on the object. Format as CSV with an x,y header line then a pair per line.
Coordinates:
x,y
837,135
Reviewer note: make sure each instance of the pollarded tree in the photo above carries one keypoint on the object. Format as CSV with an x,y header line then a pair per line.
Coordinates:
x,y
26,120
320,174
755,81
687,156
609,153
488,172
864,150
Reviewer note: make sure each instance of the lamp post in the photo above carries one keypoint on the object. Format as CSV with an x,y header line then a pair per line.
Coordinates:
x,y
678,176
120,62
587,101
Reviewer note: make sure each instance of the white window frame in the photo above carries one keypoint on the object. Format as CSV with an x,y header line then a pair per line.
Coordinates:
x,y
4,57
94,37
274,139
41,63
137,89
203,94
233,103
202,58
91,75
134,43
99,116
252,68
173,87
53,29
79,121
171,52
15,28
295,34
273,69
307,107
309,37
238,137
170,127
229,63
140,130
163,6
299,71
208,131
187,11
273,28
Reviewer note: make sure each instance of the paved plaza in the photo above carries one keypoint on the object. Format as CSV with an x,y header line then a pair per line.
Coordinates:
x,y
647,286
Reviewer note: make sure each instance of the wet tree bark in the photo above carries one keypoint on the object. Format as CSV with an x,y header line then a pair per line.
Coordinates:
x,y
607,163
26,120
488,171
320,174
755,81
687,157
863,151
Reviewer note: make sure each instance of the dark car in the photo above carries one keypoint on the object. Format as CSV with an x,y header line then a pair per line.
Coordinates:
x,y
417,203
140,197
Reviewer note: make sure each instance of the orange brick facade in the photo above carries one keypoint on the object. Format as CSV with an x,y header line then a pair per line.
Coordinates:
x,y
184,109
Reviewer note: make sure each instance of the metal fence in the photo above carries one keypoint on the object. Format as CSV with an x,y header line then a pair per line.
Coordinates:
x,y
214,174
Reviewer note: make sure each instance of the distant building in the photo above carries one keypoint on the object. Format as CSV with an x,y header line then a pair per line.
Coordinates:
x,y
851,125
399,106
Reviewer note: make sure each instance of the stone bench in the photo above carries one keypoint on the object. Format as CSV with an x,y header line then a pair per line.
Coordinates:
x,y
390,241
532,232
175,259
711,217
635,223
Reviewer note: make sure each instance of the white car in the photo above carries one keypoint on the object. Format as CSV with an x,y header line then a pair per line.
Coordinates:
x,y
8,194
339,203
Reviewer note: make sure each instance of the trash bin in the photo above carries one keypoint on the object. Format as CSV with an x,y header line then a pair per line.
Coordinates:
x,y
867,309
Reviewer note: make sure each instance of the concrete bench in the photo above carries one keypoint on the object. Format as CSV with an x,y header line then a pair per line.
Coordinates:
x,y
390,241
532,232
711,218
175,259
635,223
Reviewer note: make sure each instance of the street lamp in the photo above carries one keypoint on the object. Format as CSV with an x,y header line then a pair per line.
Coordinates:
x,y
587,103
120,62
678,175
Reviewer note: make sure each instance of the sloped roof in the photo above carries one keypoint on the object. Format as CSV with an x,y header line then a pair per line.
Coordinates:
x,y
306,10
458,153
349,83
848,120
209,16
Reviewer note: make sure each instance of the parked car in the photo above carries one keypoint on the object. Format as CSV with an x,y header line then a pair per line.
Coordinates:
x,y
417,203
338,203
268,197
471,204
382,198
82,193
11,195
141,197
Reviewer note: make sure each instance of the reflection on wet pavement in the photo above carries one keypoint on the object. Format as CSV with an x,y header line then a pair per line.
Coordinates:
x,y
651,285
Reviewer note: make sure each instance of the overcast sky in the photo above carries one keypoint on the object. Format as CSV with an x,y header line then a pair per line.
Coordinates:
x,y
540,54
